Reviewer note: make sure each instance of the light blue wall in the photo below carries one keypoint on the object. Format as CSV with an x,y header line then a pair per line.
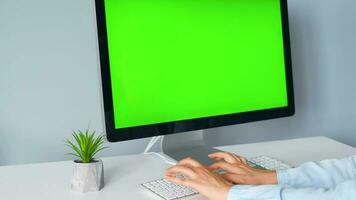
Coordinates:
x,y
49,81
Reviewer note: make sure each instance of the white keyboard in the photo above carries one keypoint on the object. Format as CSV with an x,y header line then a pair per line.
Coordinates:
x,y
170,191
266,162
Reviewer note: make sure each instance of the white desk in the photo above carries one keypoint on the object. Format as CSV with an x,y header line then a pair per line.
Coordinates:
x,y
124,174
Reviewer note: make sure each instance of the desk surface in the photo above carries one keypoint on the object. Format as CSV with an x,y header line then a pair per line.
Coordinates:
x,y
124,174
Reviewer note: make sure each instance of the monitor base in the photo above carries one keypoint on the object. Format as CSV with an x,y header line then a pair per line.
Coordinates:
x,y
183,145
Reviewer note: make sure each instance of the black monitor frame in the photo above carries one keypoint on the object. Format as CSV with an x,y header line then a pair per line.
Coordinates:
x,y
115,135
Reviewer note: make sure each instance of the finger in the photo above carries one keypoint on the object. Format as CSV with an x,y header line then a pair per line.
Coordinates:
x,y
222,165
216,156
178,181
244,160
190,162
228,168
223,156
240,158
179,169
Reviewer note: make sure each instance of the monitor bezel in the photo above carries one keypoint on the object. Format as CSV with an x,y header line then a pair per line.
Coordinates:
x,y
123,134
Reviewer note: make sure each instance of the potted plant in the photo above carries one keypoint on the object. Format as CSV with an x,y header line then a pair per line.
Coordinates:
x,y
88,174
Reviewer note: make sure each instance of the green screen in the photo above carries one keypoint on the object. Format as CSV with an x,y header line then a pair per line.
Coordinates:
x,y
173,60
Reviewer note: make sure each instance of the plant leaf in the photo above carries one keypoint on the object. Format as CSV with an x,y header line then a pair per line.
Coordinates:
x,y
87,144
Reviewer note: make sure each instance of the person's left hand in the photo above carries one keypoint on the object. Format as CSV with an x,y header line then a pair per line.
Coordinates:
x,y
238,171
199,178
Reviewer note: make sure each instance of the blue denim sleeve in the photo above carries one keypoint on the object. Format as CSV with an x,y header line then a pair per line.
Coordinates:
x,y
325,174
343,191
329,179
263,192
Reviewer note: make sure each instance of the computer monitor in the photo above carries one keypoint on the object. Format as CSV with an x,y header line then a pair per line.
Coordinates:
x,y
171,66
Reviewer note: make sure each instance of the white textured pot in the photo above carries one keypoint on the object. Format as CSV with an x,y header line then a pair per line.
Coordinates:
x,y
88,177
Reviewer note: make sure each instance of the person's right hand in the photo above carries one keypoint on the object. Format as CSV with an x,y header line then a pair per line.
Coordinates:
x,y
199,178
237,170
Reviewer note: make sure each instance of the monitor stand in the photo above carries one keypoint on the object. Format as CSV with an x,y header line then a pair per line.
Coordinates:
x,y
183,145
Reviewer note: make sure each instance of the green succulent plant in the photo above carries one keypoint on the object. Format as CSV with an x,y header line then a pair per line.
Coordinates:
x,y
87,144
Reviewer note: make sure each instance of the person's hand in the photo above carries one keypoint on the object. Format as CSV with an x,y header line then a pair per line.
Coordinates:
x,y
199,178
237,170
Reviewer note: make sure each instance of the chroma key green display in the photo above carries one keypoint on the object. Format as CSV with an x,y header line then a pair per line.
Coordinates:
x,y
173,60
